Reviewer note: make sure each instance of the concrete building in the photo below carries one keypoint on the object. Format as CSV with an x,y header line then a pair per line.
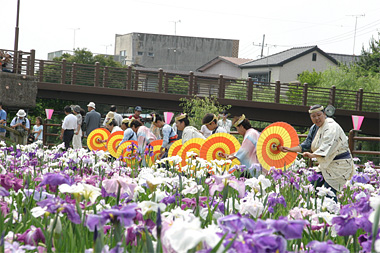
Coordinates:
x,y
171,52
287,65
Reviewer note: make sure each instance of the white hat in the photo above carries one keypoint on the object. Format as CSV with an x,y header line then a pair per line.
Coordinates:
x,y
91,104
21,113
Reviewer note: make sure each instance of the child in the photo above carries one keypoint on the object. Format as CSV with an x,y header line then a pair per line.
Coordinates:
x,y
38,129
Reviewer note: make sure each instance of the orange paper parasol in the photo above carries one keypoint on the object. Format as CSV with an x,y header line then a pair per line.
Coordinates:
x,y
217,144
94,138
127,152
155,148
175,148
273,136
113,140
193,145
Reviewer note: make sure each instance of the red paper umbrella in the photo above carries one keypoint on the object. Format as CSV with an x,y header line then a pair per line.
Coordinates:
x,y
113,140
155,147
175,148
95,137
218,144
128,151
273,136
193,145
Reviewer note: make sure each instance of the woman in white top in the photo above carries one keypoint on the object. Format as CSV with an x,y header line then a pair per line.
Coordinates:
x,y
189,132
77,139
210,122
112,126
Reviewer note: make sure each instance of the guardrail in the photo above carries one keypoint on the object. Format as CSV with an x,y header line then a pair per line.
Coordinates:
x,y
192,83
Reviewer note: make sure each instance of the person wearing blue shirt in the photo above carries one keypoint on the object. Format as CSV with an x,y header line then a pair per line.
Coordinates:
x,y
3,120
21,124
38,129
168,135
129,134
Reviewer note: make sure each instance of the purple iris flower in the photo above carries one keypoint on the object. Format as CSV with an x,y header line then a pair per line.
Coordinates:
x,y
9,181
315,177
361,178
276,174
53,204
4,208
235,223
32,236
55,179
345,226
3,192
274,199
290,229
329,246
125,216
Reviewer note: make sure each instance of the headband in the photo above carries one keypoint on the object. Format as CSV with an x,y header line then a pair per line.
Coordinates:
x,y
109,121
316,109
240,120
125,121
154,117
213,118
130,121
182,116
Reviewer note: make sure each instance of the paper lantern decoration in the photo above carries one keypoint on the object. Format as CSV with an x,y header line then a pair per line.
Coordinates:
x,y
168,117
113,141
49,113
175,148
357,121
193,145
95,137
273,136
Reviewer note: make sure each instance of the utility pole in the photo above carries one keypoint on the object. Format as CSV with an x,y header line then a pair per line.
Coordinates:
x,y
262,45
15,60
109,45
74,29
175,26
356,22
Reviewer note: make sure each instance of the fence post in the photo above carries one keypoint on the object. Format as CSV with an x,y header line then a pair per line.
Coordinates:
x,y
304,94
221,86
41,70
160,77
63,72
105,77
166,85
195,85
332,95
44,136
97,74
32,60
74,74
19,62
129,78
351,141
136,83
277,92
191,83
249,89
28,65
359,100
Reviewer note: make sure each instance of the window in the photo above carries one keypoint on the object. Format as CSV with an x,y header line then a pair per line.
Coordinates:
x,y
314,57
123,53
151,54
140,53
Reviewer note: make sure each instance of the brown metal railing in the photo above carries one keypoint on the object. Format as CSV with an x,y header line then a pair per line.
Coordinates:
x,y
192,83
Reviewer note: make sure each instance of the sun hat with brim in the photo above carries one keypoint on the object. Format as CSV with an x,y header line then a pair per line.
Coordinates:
x,y
138,108
76,109
91,104
21,113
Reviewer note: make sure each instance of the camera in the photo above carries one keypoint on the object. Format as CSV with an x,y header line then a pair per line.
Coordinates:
x,y
24,122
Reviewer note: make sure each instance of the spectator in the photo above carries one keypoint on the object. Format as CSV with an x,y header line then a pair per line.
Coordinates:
x,y
92,118
21,124
137,114
7,64
38,129
224,122
117,117
3,120
68,126
77,139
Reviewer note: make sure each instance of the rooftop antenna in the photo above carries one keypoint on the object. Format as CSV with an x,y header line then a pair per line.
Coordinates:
x,y
175,26
356,22
109,45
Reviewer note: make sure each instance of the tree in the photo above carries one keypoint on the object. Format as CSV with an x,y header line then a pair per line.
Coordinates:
x,y
370,60
84,56
197,108
178,85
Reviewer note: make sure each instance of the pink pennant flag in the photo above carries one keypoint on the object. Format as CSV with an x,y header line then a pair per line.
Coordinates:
x,y
168,117
357,121
49,113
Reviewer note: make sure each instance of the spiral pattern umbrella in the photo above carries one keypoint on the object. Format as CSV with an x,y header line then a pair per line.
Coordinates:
x,y
154,151
193,145
273,136
94,138
175,148
128,152
113,140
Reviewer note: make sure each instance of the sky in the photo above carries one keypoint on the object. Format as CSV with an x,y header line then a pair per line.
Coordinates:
x,y
52,25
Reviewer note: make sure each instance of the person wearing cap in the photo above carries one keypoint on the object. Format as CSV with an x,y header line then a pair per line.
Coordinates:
x,y
68,126
188,132
330,148
210,122
137,114
224,122
92,119
118,118
129,134
3,120
77,138
22,125
169,136
144,135
247,152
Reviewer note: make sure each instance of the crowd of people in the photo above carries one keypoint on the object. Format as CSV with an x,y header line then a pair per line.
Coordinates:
x,y
325,142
